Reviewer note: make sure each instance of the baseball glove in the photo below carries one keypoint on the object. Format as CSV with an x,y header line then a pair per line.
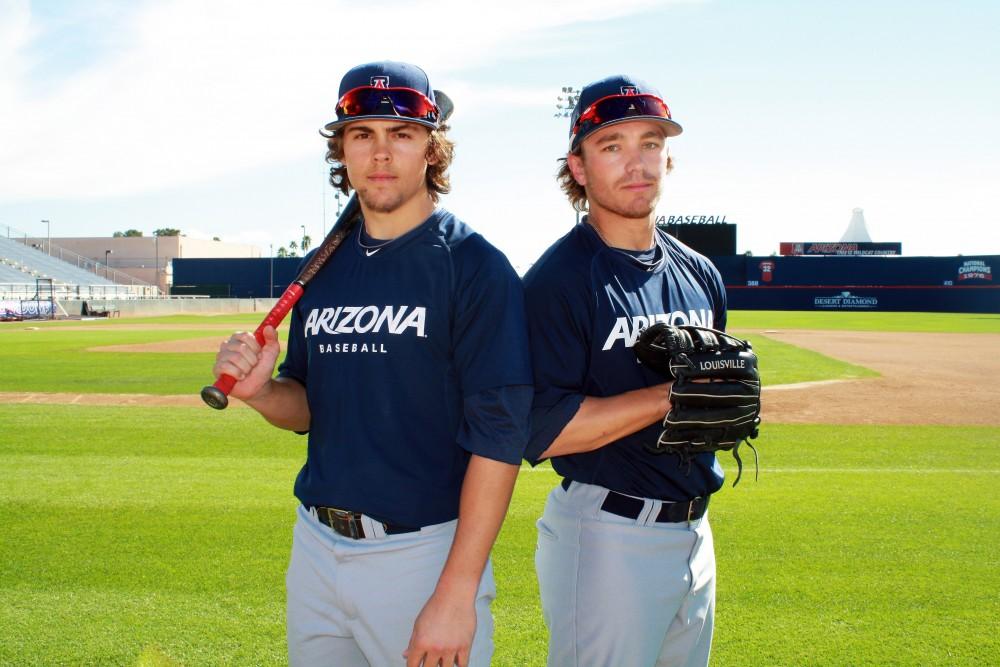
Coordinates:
x,y
715,397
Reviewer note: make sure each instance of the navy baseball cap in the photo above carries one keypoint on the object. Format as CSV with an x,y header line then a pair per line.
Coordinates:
x,y
617,99
389,90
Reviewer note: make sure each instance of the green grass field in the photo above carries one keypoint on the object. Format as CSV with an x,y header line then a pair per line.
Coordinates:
x,y
142,536
858,321
775,319
853,548
54,359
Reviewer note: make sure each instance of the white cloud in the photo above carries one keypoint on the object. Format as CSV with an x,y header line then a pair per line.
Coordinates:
x,y
15,34
195,90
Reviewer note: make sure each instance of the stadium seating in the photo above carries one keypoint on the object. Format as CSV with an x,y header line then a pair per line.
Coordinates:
x,y
8,274
37,264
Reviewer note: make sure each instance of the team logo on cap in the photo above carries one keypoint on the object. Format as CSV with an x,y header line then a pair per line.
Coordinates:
x,y
380,82
630,90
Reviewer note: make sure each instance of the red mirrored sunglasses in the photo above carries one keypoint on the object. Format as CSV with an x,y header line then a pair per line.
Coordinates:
x,y
368,101
616,107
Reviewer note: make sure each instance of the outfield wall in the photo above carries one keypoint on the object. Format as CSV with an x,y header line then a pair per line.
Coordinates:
x,y
236,277
161,307
961,284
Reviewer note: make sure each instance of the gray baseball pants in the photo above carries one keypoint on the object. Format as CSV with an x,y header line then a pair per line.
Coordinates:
x,y
620,592
352,603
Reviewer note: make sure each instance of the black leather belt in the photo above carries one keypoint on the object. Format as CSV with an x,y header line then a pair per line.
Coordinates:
x,y
631,508
349,524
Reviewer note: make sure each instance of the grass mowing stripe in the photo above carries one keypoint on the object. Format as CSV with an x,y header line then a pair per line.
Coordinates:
x,y
894,471
837,568
199,432
738,319
245,321
782,363
102,627
847,571
865,447
61,361
877,321
912,471
159,482
57,360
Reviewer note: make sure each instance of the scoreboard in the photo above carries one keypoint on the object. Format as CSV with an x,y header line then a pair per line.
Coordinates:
x,y
712,239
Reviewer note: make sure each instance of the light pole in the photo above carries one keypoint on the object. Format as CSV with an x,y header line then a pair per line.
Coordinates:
x,y
106,267
156,265
564,105
564,109
48,236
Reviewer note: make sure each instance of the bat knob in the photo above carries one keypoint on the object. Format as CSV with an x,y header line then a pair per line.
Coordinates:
x,y
214,397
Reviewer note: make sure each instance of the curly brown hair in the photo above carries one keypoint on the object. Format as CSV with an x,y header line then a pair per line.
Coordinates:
x,y
576,193
440,152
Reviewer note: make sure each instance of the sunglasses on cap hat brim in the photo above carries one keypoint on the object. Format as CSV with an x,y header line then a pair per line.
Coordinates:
x,y
371,102
619,108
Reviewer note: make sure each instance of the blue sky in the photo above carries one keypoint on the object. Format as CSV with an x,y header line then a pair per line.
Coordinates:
x,y
203,116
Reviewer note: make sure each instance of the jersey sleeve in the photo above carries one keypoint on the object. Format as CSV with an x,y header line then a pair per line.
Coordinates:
x,y
295,364
495,423
557,315
490,349
717,289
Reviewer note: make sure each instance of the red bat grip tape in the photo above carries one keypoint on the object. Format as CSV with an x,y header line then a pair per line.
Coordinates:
x,y
217,394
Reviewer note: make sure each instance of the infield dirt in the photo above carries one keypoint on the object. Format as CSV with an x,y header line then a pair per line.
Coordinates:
x,y
926,378
208,344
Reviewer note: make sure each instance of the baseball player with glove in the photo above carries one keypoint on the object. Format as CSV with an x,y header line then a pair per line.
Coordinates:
x,y
636,388
408,366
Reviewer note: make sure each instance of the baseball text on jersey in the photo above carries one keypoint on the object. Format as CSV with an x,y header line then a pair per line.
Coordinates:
x,y
364,348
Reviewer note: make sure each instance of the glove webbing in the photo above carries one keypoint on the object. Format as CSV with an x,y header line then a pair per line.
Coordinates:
x,y
684,449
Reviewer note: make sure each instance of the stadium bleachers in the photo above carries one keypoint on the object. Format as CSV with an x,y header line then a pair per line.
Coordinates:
x,y
8,274
29,263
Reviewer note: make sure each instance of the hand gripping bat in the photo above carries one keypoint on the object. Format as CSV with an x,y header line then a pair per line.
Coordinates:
x,y
217,395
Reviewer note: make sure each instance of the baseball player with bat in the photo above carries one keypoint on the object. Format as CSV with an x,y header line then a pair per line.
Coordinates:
x,y
408,366
625,559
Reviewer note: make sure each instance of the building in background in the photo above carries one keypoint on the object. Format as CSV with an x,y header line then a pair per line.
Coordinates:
x,y
146,258
855,241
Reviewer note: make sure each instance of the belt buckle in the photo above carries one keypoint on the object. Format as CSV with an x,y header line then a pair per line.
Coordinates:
x,y
691,509
347,522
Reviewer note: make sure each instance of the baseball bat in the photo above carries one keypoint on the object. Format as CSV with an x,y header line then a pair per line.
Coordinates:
x,y
217,395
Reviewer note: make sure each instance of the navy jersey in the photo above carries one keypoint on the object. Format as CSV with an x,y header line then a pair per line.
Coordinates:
x,y
586,304
414,356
